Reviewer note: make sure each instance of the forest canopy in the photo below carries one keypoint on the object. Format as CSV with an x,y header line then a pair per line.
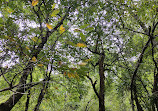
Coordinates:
x,y
78,55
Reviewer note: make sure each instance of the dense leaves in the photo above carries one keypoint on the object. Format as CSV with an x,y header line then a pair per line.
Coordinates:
x,y
78,55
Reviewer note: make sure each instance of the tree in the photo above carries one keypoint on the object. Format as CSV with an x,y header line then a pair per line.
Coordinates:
x,y
29,52
129,22
72,43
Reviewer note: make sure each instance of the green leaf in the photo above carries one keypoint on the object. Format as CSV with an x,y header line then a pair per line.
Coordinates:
x,y
9,10
87,60
84,26
35,39
55,12
39,41
53,6
71,43
89,29
83,37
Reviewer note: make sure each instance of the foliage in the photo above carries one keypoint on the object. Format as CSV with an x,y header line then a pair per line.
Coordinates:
x,y
78,55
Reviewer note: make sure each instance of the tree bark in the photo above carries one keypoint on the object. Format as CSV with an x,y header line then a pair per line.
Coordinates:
x,y
155,90
40,98
9,104
102,83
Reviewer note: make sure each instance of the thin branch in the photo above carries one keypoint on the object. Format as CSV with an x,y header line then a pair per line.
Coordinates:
x,y
95,52
152,52
135,31
86,109
45,87
93,85
154,28
27,101
133,87
5,79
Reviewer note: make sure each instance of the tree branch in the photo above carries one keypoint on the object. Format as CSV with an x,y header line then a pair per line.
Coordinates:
x,y
93,85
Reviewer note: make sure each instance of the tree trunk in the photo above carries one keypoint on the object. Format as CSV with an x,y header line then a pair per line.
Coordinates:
x,y
155,90
102,84
139,107
9,104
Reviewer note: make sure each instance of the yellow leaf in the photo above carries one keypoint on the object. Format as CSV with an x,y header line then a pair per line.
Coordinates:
x,y
35,39
69,75
10,10
40,65
81,45
87,60
33,59
49,26
64,73
82,63
61,29
27,48
55,12
76,75
35,2
73,75
53,6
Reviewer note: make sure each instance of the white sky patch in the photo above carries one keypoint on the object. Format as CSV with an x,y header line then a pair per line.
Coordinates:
x,y
0,14
72,28
32,24
134,58
105,74
7,64
23,23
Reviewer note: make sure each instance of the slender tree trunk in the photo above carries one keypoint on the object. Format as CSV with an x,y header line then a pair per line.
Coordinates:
x,y
40,98
155,90
139,107
9,104
102,83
